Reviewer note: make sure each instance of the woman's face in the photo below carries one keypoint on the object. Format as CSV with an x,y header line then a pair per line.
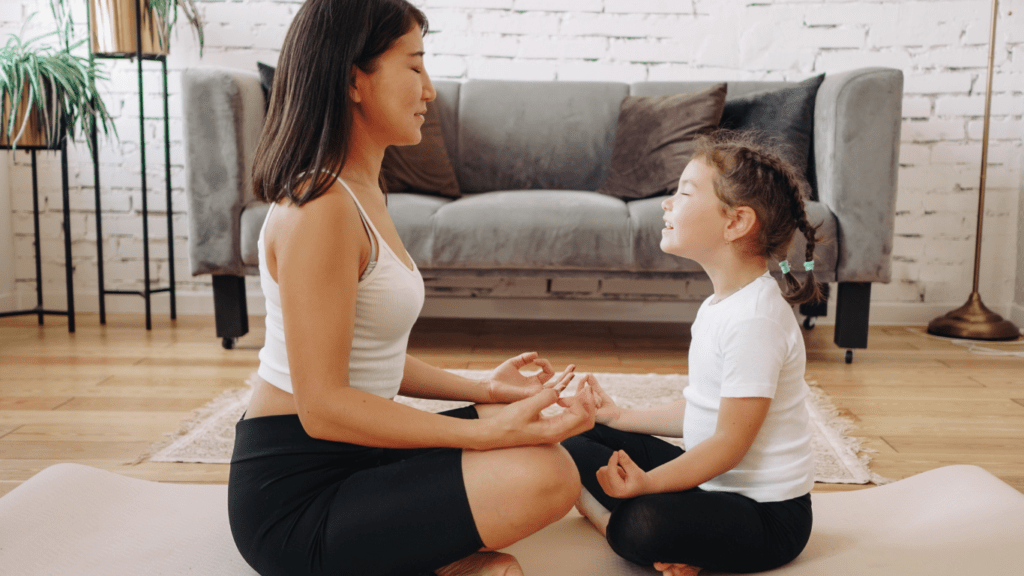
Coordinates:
x,y
694,218
390,101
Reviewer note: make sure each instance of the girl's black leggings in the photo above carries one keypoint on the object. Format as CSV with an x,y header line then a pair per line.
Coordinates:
x,y
720,531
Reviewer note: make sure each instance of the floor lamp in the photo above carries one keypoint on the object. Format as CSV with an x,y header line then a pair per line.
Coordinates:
x,y
973,320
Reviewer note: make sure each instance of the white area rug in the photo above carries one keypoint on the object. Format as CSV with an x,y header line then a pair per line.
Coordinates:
x,y
208,435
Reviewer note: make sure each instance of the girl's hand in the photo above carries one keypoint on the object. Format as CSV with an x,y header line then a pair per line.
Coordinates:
x,y
522,424
622,478
506,384
607,411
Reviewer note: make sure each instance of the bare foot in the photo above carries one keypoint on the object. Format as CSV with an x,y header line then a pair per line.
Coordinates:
x,y
483,564
676,569
592,510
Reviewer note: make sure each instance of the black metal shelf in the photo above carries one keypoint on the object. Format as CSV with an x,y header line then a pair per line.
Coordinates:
x,y
147,290
68,269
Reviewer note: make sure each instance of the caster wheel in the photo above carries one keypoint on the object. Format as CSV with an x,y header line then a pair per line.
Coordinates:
x,y
229,343
849,356
809,322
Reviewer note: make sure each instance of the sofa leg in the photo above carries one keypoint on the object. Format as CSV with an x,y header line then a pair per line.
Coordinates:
x,y
230,309
853,302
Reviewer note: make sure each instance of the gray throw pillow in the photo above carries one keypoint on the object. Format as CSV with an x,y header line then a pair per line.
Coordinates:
x,y
654,140
785,115
424,167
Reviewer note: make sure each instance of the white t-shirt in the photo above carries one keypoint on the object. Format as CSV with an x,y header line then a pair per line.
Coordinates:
x,y
749,345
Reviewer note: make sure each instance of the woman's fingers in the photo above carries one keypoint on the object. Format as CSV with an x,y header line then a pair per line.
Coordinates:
x,y
546,370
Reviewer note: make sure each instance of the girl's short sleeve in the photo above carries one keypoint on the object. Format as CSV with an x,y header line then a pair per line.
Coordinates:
x,y
754,352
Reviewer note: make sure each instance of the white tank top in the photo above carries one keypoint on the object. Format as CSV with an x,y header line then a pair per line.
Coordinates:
x,y
388,302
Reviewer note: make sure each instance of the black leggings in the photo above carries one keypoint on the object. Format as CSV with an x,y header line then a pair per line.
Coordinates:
x,y
720,531
298,505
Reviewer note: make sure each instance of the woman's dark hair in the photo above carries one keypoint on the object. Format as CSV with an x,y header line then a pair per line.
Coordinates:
x,y
309,119
749,172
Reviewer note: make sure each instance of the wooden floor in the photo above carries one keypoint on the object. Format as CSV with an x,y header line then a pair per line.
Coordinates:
x,y
102,395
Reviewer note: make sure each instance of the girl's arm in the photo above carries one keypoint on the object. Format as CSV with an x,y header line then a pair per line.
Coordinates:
x,y
739,420
317,253
664,420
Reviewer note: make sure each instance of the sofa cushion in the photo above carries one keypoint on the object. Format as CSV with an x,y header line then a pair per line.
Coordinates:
x,y
654,140
786,114
252,221
535,135
646,224
533,230
414,217
424,167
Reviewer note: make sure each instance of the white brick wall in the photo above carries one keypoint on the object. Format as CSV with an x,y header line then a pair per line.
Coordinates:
x,y
941,46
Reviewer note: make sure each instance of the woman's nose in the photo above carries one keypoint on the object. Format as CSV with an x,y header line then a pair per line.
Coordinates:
x,y
665,204
429,93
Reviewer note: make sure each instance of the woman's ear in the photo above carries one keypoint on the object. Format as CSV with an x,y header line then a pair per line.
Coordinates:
x,y
742,222
354,83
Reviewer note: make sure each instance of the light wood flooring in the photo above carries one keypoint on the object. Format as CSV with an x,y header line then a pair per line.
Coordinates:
x,y
102,395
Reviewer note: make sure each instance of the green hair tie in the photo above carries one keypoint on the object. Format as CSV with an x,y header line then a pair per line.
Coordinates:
x,y
809,265
785,266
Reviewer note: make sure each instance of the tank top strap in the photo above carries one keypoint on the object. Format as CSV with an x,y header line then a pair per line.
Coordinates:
x,y
367,225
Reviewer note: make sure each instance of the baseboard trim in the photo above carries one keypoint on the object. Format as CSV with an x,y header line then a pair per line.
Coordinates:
x,y
1016,315
201,303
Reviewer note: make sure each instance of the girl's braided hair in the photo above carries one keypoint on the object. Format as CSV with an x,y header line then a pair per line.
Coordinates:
x,y
750,173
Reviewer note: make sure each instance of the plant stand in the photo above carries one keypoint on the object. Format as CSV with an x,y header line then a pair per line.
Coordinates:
x,y
39,310
147,291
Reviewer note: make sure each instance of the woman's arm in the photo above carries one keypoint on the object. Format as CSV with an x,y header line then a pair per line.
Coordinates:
x,y
503,385
318,251
739,420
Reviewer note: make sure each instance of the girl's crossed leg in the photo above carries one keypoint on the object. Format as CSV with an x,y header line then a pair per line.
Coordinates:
x,y
720,531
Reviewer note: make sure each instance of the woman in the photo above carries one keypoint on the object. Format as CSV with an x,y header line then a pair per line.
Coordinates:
x,y
329,474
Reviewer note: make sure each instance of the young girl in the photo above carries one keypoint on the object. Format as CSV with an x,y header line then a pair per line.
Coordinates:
x,y
329,475
737,499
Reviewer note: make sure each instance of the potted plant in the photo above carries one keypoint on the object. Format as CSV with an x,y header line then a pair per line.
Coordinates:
x,y
112,24
47,93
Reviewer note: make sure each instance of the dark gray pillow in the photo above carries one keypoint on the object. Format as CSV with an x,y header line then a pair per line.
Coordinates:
x,y
424,167
787,116
654,140
266,81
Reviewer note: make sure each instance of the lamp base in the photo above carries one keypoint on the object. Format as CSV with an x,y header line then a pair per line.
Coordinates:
x,y
974,321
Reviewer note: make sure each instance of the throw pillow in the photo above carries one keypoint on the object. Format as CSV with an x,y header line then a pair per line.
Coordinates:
x,y
654,140
266,82
424,167
787,115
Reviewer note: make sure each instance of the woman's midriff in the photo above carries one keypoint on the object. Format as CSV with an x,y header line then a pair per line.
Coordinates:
x,y
268,400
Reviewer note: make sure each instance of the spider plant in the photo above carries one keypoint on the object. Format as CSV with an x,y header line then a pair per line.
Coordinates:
x,y
55,86
165,13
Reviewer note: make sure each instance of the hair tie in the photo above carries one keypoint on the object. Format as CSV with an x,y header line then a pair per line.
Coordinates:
x,y
785,266
809,265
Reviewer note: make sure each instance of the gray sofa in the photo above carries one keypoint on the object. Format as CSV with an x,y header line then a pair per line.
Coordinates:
x,y
528,157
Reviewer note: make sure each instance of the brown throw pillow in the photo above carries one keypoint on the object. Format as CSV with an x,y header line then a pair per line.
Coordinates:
x,y
654,140
424,167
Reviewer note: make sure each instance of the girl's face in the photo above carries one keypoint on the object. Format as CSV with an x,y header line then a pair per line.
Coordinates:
x,y
390,101
694,218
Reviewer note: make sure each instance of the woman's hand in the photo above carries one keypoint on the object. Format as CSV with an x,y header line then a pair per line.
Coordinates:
x,y
522,424
667,569
622,478
506,384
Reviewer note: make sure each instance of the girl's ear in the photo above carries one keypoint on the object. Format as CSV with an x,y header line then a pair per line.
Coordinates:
x,y
742,223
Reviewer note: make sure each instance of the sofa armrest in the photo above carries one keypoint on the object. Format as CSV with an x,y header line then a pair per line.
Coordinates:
x,y
857,119
223,112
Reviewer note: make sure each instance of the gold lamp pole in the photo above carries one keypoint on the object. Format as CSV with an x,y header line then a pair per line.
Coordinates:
x,y
973,320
